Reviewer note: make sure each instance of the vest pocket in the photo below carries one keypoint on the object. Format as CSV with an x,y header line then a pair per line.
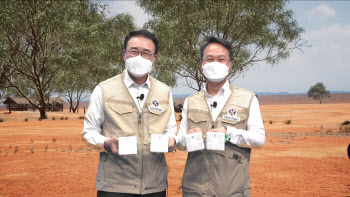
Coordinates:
x,y
198,120
120,108
120,119
158,120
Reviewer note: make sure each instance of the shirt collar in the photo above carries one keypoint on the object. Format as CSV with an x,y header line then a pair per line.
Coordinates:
x,y
225,90
129,82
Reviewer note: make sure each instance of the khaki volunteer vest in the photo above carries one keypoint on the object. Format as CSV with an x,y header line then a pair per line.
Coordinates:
x,y
218,173
145,172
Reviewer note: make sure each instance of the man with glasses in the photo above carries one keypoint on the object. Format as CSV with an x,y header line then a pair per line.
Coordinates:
x,y
220,107
131,104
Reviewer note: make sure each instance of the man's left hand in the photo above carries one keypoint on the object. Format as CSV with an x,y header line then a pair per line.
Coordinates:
x,y
171,145
220,130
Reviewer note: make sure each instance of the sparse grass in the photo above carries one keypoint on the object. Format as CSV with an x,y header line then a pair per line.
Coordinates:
x,y
32,141
16,149
53,118
289,121
31,150
81,117
270,121
26,119
39,119
70,147
46,146
54,139
319,130
66,118
62,118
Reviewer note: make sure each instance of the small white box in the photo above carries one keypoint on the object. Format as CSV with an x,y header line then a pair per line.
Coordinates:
x,y
127,145
215,141
194,142
159,143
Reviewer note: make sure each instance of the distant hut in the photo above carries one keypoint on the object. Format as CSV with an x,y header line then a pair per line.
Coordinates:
x,y
22,104
55,104
17,104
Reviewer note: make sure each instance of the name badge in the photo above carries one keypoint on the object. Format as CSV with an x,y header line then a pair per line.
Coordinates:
x,y
155,106
231,115
159,143
127,145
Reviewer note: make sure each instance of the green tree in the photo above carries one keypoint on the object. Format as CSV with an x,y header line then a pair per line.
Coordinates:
x,y
91,55
44,42
260,31
318,92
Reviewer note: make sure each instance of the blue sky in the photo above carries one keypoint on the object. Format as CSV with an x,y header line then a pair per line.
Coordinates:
x,y
327,30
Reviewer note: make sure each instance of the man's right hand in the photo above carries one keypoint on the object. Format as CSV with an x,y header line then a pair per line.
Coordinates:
x,y
111,145
195,130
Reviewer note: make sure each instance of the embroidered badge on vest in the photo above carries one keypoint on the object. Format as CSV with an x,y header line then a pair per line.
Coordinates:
x,y
231,115
155,106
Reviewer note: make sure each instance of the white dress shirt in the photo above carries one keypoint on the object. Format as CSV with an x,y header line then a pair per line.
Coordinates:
x,y
253,137
95,115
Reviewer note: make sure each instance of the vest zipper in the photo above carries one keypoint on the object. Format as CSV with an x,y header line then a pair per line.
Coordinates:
x,y
140,125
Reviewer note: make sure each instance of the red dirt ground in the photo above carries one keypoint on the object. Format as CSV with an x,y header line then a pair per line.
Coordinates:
x,y
305,158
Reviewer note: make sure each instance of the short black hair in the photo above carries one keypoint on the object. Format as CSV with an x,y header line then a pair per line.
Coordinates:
x,y
221,41
142,33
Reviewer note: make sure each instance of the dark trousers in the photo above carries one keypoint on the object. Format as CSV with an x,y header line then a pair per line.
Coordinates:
x,y
113,194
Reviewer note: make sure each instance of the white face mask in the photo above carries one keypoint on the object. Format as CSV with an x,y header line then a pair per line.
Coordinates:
x,y
215,71
138,66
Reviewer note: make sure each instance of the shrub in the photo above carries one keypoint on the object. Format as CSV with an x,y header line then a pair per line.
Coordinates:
x,y
346,122
32,150
62,118
1,120
289,121
270,121
39,119
81,117
53,118
66,118
54,139
46,146
32,141
26,119
344,128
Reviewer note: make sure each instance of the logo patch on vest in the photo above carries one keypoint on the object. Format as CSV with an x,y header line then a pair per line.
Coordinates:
x,y
155,106
231,115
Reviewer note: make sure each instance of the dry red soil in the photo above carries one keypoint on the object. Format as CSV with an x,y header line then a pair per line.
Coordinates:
x,y
305,158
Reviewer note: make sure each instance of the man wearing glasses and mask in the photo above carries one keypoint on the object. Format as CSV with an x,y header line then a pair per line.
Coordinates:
x,y
221,109
124,106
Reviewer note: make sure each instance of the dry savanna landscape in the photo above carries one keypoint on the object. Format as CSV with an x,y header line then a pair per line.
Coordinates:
x,y
305,153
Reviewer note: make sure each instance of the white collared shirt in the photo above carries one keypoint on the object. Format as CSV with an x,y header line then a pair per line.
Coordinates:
x,y
253,137
95,115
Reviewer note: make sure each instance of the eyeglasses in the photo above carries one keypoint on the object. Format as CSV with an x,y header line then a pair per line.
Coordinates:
x,y
144,54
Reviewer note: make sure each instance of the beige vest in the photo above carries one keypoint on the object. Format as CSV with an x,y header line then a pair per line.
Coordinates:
x,y
218,173
145,172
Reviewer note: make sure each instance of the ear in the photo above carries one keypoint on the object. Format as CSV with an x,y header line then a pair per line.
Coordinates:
x,y
154,60
231,64
124,52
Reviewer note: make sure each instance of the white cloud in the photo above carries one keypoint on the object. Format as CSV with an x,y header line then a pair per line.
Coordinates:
x,y
321,12
130,7
327,61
